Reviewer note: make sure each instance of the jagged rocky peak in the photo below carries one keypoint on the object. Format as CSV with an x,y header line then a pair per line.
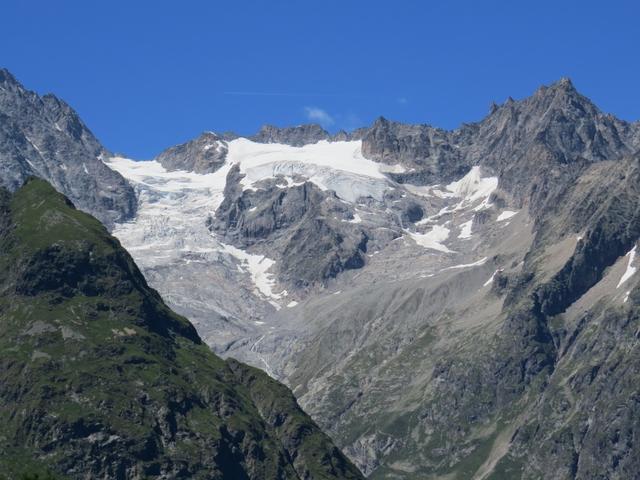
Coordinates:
x,y
429,155
563,120
295,136
204,154
554,130
45,137
520,141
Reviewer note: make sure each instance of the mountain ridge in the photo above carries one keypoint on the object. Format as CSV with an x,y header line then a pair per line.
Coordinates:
x,y
445,303
100,379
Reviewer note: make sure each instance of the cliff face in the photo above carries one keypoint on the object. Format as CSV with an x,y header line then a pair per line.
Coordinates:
x,y
44,137
99,379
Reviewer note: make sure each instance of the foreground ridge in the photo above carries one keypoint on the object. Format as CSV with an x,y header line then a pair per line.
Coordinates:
x,y
99,379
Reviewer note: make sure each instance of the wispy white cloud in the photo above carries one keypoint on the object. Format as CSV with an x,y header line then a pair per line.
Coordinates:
x,y
315,114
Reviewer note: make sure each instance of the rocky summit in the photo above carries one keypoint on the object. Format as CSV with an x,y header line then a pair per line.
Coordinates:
x,y
43,136
444,304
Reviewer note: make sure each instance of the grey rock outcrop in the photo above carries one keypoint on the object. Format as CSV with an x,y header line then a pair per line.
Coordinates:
x,y
302,226
43,136
341,136
294,136
204,154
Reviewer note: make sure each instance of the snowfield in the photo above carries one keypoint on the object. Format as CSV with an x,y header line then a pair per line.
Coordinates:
x,y
337,166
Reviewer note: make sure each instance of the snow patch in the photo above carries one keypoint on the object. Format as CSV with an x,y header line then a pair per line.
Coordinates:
x,y
292,304
465,229
482,261
472,188
356,219
34,145
506,215
258,267
432,239
290,182
490,281
630,270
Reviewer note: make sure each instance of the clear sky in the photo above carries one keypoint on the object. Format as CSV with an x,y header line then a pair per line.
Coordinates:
x,y
145,75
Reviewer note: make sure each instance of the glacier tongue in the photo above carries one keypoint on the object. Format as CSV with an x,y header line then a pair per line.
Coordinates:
x,y
171,221
198,274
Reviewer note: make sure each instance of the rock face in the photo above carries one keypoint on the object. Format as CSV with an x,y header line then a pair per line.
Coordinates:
x,y
43,136
535,145
293,136
425,149
302,225
205,154
99,379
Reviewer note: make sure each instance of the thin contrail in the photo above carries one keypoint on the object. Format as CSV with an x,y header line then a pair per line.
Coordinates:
x,y
285,94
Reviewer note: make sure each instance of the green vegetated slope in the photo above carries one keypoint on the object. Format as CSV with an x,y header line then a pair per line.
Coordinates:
x,y
99,379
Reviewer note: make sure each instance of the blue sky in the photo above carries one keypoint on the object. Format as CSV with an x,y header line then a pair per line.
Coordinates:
x,y
145,75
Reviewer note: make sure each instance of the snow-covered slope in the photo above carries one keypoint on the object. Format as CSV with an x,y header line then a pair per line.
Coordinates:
x,y
232,291
337,166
